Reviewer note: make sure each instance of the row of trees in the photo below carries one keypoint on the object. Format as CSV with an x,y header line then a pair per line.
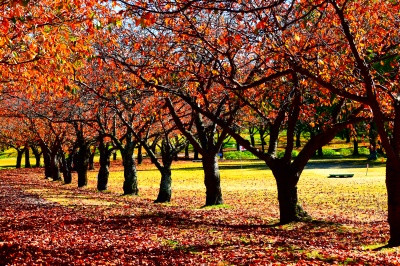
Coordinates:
x,y
129,74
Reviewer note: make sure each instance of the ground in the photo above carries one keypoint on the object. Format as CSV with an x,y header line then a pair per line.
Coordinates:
x,y
47,223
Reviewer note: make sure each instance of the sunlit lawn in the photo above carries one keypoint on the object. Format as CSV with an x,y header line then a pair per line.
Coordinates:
x,y
246,184
349,213
360,198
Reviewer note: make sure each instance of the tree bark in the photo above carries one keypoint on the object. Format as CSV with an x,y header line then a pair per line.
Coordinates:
x,y
47,163
347,132
187,152
91,158
140,154
196,154
82,164
393,188
27,159
19,158
355,148
290,210
298,135
66,170
102,176
212,180
252,140
165,192
55,167
37,154
130,186
320,153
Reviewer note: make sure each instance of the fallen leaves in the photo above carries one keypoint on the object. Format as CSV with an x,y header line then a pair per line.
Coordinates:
x,y
136,231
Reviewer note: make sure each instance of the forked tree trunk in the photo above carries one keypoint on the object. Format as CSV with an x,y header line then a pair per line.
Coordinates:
x,y
130,186
212,180
393,188
82,164
102,176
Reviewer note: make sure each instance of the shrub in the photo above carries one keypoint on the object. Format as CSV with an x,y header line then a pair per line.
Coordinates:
x,y
282,153
237,155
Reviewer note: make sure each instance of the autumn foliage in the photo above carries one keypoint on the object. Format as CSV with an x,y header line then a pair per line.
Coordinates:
x,y
156,76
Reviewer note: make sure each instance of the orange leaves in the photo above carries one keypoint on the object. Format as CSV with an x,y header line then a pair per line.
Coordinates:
x,y
4,25
146,20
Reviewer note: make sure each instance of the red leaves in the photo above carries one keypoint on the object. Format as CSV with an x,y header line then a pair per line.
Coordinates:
x,y
4,25
146,20
136,231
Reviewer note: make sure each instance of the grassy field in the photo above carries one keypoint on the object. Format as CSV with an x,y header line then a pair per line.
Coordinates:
x,y
349,218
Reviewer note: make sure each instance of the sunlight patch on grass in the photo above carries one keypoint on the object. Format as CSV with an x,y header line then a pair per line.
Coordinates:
x,y
76,201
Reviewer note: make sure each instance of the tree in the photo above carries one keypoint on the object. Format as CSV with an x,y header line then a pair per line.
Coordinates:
x,y
351,48
227,65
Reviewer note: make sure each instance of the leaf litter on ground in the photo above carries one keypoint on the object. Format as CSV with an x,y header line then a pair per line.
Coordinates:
x,y
48,223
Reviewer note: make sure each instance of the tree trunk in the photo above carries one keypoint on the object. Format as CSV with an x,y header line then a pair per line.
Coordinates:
x,y
393,188
252,140
55,167
187,152
140,154
66,170
298,135
115,156
102,176
130,173
196,154
47,163
212,180
37,154
165,192
91,159
27,161
355,150
262,132
289,209
19,158
82,164
347,132
320,153
221,152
